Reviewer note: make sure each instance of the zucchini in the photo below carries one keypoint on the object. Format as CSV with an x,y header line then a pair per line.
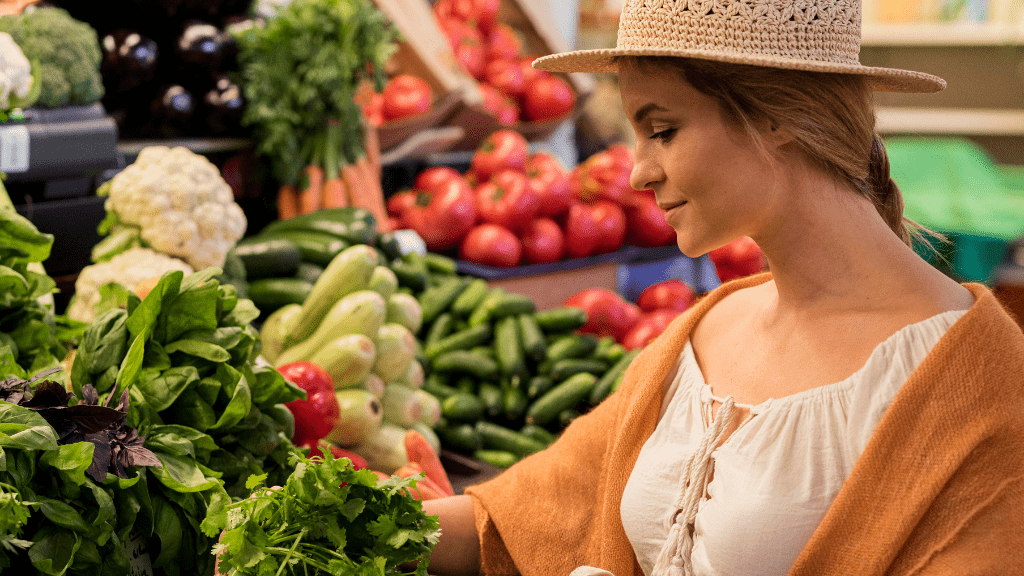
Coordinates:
x,y
351,230
269,294
561,319
316,247
268,258
495,437
565,395
308,271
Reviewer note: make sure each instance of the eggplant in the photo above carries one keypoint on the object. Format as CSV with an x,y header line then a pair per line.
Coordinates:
x,y
202,47
171,112
223,106
129,60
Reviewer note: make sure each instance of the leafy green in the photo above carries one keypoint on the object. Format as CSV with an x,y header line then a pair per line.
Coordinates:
x,y
300,73
328,518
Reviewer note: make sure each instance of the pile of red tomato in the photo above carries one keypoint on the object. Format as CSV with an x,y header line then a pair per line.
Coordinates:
x,y
513,207
492,53
633,325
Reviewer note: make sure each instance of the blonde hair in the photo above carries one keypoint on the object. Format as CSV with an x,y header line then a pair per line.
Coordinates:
x,y
831,117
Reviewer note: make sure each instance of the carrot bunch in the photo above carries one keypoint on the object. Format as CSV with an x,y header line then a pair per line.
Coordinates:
x,y
422,460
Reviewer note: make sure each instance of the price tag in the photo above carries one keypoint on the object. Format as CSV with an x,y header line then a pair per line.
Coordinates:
x,y
138,555
14,149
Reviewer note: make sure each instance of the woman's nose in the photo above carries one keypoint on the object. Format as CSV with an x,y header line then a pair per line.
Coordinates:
x,y
645,173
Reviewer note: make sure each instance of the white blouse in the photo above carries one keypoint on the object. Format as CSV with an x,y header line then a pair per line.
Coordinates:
x,y
775,477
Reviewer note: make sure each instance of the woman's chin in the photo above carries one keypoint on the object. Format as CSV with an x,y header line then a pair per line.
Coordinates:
x,y
689,249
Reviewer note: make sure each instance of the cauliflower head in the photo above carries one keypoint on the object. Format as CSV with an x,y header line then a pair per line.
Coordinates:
x,y
180,203
128,269
15,72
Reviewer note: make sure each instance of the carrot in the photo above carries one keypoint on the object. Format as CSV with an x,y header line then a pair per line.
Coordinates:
x,y
419,451
287,202
373,149
312,194
335,193
371,195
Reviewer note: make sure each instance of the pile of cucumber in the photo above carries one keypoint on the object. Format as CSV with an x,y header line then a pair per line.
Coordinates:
x,y
509,378
284,259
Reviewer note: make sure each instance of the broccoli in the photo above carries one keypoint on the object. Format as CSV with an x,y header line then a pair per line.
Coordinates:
x,y
66,50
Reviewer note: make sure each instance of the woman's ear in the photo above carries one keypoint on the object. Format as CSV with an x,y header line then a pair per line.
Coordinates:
x,y
777,136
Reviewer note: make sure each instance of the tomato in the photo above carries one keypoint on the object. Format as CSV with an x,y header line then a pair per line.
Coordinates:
x,y
608,314
543,241
500,106
646,223
550,183
317,415
739,258
529,72
373,110
611,225
432,178
648,327
502,150
503,43
603,175
507,77
468,45
399,202
482,14
547,97
492,245
507,200
581,232
442,215
673,294
406,95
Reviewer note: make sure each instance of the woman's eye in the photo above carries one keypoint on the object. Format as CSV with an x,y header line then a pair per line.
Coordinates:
x,y
664,135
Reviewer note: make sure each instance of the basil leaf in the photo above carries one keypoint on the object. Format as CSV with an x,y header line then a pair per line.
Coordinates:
x,y
25,429
194,309
71,460
181,474
106,340
156,357
19,233
132,363
62,514
168,530
146,314
54,549
237,408
243,314
164,390
198,348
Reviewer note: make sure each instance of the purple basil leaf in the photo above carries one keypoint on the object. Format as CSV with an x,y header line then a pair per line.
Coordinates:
x,y
49,394
90,396
100,456
90,419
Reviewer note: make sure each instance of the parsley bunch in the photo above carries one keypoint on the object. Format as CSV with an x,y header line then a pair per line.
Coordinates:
x,y
328,518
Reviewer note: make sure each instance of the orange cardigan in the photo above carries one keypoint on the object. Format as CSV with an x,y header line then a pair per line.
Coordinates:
x,y
939,489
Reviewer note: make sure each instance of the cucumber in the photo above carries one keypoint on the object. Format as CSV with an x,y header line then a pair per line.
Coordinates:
x,y
497,458
351,230
531,339
507,348
539,434
409,276
439,264
459,436
466,384
571,346
462,407
561,319
269,294
482,313
461,340
493,399
443,326
308,271
470,298
604,386
437,385
563,369
437,299
611,353
538,385
565,417
511,305
268,258
316,247
566,394
468,363
388,244
515,403
487,351
495,437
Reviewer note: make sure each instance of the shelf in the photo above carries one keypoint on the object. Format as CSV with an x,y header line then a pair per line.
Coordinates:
x,y
942,34
952,121
197,145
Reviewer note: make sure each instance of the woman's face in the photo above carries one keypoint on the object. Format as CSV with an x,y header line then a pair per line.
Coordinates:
x,y
708,176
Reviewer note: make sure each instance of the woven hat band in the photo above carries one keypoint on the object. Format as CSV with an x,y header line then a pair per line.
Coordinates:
x,y
824,31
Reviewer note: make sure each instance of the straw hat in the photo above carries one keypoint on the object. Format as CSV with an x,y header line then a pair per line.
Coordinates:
x,y
813,35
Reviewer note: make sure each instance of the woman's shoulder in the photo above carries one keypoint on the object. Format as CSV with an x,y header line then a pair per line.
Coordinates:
x,y
731,309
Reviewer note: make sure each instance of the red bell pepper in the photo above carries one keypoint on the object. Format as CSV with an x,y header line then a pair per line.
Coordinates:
x,y
317,415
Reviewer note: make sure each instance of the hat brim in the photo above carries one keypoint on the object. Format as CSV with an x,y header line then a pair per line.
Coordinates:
x,y
879,79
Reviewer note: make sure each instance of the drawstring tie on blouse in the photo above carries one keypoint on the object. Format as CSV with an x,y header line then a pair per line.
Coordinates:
x,y
674,558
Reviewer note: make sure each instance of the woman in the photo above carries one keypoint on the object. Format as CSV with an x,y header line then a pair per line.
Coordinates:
x,y
853,412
